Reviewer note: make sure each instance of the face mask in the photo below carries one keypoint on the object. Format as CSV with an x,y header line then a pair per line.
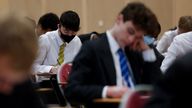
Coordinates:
x,y
148,40
67,38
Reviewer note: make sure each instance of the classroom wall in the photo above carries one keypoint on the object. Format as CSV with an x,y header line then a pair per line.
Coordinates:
x,y
98,15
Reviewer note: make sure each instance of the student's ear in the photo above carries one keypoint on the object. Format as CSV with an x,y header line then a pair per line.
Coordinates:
x,y
119,18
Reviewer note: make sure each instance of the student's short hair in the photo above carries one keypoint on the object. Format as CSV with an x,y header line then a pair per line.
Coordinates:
x,y
49,21
18,42
141,16
70,20
185,23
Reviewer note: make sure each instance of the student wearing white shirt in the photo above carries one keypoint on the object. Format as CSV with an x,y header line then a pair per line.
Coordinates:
x,y
167,38
50,44
179,47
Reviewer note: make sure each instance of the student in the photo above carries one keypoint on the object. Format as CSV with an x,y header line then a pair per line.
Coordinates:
x,y
111,65
18,48
185,25
59,46
88,36
47,22
150,39
181,44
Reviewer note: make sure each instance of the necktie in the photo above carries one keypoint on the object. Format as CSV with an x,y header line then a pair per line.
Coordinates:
x,y
124,68
60,59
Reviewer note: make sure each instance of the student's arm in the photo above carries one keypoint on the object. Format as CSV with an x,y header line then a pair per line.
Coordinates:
x,y
172,53
42,54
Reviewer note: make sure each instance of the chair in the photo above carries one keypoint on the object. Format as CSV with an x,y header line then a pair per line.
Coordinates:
x,y
60,84
136,98
63,73
59,81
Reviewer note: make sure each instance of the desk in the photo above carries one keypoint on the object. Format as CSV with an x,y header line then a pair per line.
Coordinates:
x,y
108,100
44,90
55,106
46,74
106,103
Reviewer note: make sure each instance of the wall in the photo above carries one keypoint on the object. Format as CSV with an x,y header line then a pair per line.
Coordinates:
x,y
98,15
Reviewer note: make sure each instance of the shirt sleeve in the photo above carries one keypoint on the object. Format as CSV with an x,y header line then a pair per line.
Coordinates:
x,y
42,52
171,55
104,92
163,44
149,55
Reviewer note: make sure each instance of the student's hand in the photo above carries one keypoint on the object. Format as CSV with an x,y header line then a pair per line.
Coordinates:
x,y
116,92
54,70
139,45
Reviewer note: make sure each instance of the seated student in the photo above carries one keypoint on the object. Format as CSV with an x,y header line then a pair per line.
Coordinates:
x,y
111,65
47,22
88,36
150,39
181,44
167,38
59,46
18,48
174,89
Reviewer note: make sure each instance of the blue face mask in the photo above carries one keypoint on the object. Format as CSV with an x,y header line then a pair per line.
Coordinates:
x,y
148,39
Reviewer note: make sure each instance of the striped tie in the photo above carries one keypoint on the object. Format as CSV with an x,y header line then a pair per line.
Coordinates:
x,y
60,59
124,68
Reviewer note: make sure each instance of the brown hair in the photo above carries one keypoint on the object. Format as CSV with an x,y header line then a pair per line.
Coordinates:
x,y
185,23
141,16
18,41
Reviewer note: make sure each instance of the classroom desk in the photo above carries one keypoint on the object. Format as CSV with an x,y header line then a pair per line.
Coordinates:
x,y
45,74
108,100
55,106
106,103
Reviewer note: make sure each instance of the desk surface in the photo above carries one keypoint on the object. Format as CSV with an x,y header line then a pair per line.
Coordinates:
x,y
44,90
46,74
55,106
108,100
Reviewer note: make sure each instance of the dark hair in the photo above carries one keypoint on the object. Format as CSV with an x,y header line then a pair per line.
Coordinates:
x,y
49,21
185,23
141,16
70,20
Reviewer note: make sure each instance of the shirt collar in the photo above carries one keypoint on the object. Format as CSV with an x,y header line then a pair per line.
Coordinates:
x,y
114,46
58,38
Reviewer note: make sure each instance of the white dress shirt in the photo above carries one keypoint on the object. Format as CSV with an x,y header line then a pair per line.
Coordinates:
x,y
148,55
166,40
181,45
49,45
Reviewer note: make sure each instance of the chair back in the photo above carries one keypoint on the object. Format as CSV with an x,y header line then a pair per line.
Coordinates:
x,y
63,73
136,98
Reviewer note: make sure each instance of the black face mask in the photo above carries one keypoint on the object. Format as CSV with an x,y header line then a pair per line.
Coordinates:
x,y
67,38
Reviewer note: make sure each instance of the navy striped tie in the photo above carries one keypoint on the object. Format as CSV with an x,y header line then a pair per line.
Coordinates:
x,y
124,68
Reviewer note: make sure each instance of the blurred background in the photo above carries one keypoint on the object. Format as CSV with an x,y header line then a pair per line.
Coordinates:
x,y
98,15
